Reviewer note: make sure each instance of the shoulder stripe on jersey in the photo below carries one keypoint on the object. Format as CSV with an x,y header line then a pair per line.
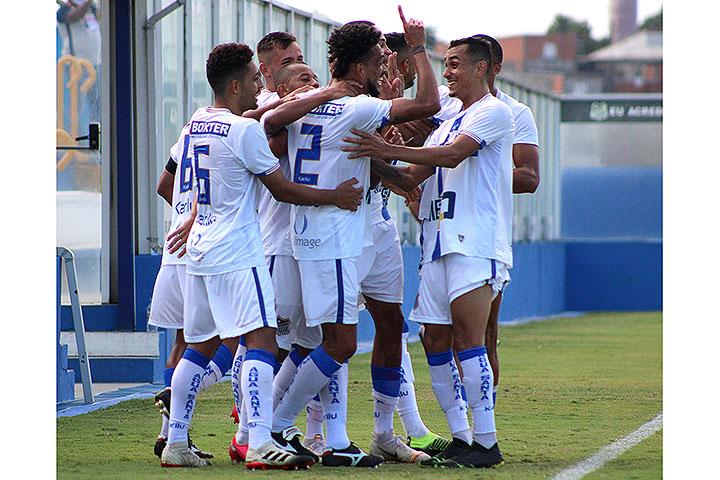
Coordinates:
x,y
268,172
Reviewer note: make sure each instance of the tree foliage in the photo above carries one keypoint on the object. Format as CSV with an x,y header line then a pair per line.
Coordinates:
x,y
653,22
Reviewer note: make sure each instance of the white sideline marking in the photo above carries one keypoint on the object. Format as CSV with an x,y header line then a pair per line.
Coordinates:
x,y
610,452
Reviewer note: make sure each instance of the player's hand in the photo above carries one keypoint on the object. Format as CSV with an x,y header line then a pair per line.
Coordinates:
x,y
177,239
344,88
347,196
414,30
415,132
411,195
391,85
367,145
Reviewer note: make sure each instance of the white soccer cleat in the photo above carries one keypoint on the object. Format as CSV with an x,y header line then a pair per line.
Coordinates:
x,y
271,456
315,444
181,456
394,450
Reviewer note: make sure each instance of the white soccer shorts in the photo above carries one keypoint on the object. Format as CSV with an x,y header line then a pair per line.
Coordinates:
x,y
384,281
288,305
166,307
330,290
228,304
448,277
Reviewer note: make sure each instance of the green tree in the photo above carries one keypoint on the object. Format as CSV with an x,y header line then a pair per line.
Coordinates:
x,y
653,22
564,24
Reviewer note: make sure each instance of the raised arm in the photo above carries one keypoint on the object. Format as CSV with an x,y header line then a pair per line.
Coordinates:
x,y
345,196
291,111
427,101
374,146
165,186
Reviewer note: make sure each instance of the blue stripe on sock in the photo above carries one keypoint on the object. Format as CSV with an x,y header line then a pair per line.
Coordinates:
x,y
261,355
296,357
324,362
386,380
463,393
242,341
223,358
276,367
435,359
406,327
167,376
341,291
261,300
472,352
195,357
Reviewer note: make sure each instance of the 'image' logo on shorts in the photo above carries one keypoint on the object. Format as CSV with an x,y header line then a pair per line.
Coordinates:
x,y
301,224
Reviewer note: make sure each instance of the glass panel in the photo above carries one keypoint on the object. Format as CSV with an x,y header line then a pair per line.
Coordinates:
x,y
280,20
171,115
79,172
254,23
301,31
201,46
319,51
227,30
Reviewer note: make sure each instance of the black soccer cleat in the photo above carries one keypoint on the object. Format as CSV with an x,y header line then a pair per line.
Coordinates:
x,y
162,401
476,457
160,446
351,456
455,448
291,440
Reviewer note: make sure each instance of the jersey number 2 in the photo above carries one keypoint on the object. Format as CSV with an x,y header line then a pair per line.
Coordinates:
x,y
312,153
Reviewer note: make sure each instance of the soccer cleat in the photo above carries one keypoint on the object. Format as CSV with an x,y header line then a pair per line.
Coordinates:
x,y
160,445
290,439
181,456
455,448
272,457
394,450
234,415
193,448
476,456
162,401
431,443
315,444
238,453
351,456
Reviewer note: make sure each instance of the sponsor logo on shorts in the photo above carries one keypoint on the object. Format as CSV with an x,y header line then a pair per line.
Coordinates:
x,y
283,326
301,224
308,242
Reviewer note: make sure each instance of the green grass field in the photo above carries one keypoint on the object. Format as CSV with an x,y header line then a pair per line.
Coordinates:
x,y
568,387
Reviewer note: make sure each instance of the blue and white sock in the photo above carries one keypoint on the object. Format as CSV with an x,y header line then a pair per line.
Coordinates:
x,y
334,404
407,404
494,394
185,387
478,379
286,374
218,366
314,418
241,434
167,377
386,388
312,375
447,386
257,379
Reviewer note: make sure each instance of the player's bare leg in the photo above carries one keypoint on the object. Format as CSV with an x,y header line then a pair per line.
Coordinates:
x,y
470,313
491,342
386,373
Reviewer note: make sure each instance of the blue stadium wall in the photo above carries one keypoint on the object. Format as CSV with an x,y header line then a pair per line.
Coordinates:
x,y
610,259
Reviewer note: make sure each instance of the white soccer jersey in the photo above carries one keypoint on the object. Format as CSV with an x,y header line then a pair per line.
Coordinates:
x,y
274,216
314,142
225,152
468,209
525,128
449,106
182,199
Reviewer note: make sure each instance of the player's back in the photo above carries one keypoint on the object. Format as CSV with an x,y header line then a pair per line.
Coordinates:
x,y
225,153
316,159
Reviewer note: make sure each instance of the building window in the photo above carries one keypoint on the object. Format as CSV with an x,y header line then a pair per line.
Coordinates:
x,y
550,51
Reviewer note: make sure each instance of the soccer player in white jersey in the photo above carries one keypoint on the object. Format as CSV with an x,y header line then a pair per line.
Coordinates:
x,y
419,436
166,307
328,243
466,208
228,292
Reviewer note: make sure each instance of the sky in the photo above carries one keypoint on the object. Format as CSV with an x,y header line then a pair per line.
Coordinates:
x,y
461,18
